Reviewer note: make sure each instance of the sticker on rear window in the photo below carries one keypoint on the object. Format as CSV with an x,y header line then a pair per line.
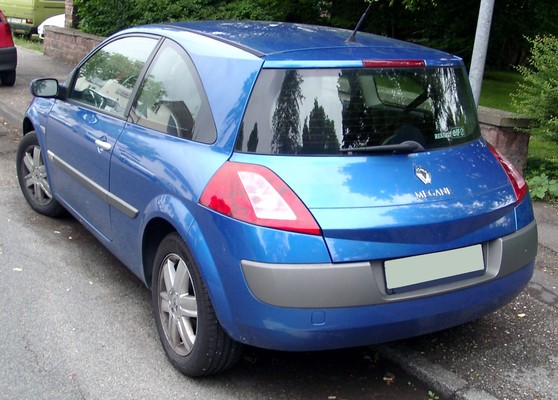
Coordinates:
x,y
454,133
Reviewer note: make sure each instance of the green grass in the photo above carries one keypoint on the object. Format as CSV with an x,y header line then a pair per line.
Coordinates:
x,y
497,86
543,155
33,44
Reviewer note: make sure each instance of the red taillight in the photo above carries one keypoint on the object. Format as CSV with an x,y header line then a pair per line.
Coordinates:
x,y
518,182
393,63
6,38
254,194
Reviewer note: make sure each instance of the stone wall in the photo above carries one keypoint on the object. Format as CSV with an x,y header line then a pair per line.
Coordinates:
x,y
71,17
503,130
67,44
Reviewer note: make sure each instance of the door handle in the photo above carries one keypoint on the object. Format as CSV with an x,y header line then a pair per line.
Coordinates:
x,y
103,145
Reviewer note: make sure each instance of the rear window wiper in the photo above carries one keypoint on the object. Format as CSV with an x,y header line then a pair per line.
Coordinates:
x,y
407,147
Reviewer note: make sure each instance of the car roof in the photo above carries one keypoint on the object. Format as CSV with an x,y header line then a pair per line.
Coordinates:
x,y
282,41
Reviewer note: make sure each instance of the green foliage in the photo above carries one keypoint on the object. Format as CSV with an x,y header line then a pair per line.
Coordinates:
x,y
513,22
537,95
542,186
104,17
432,395
541,171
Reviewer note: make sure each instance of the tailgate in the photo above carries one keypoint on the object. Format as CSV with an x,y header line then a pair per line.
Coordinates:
x,y
385,206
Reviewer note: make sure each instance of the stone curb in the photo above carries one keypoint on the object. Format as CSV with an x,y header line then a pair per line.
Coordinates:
x,y
436,378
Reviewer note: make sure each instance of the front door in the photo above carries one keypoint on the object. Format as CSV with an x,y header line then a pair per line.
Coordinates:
x,y
82,131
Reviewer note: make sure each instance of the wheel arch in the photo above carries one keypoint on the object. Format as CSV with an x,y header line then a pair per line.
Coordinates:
x,y
154,232
27,126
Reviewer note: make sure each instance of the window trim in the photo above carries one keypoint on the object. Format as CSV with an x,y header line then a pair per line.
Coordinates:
x,y
72,79
199,85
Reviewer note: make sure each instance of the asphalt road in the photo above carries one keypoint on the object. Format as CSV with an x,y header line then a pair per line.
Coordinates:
x,y
77,325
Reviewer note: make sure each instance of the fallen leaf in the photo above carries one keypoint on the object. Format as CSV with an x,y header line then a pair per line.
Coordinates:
x,y
389,378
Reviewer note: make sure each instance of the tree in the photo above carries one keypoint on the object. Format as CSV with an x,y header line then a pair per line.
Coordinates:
x,y
286,117
356,121
253,139
515,21
537,95
318,133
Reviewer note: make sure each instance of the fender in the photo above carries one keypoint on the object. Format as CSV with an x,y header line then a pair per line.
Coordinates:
x,y
176,213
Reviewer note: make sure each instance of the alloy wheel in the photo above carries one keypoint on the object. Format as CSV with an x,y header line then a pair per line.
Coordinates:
x,y
178,306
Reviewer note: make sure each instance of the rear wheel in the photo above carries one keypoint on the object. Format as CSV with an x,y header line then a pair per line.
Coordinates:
x,y
193,339
32,177
8,78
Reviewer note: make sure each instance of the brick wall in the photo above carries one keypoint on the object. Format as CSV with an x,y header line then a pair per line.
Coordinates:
x,y
504,131
67,44
71,17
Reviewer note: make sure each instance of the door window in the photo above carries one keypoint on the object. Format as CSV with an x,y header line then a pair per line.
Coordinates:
x,y
171,99
106,80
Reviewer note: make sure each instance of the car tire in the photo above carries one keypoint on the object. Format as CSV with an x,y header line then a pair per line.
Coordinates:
x,y
33,179
193,339
8,78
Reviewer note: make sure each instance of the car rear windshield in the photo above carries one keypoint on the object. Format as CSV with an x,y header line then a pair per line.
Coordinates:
x,y
345,111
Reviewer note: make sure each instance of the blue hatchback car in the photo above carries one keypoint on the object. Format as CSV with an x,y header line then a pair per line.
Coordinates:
x,y
282,186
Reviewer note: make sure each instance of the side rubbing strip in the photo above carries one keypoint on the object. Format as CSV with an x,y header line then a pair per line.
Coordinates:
x,y
98,190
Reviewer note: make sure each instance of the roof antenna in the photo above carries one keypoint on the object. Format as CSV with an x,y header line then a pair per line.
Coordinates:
x,y
352,38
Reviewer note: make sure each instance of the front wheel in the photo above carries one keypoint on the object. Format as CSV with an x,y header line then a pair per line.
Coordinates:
x,y
193,338
32,177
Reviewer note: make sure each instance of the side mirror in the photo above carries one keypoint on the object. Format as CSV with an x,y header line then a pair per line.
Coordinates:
x,y
46,88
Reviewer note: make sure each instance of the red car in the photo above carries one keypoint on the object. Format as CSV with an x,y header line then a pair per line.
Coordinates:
x,y
8,53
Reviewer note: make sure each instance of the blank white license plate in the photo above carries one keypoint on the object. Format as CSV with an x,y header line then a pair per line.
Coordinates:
x,y
430,267
15,20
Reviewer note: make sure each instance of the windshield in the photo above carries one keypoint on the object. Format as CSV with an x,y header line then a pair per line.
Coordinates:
x,y
333,111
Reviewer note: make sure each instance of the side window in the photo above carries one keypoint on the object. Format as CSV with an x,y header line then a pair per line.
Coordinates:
x,y
171,99
106,80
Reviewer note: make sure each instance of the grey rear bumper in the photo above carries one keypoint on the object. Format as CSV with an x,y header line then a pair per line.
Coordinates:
x,y
363,283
